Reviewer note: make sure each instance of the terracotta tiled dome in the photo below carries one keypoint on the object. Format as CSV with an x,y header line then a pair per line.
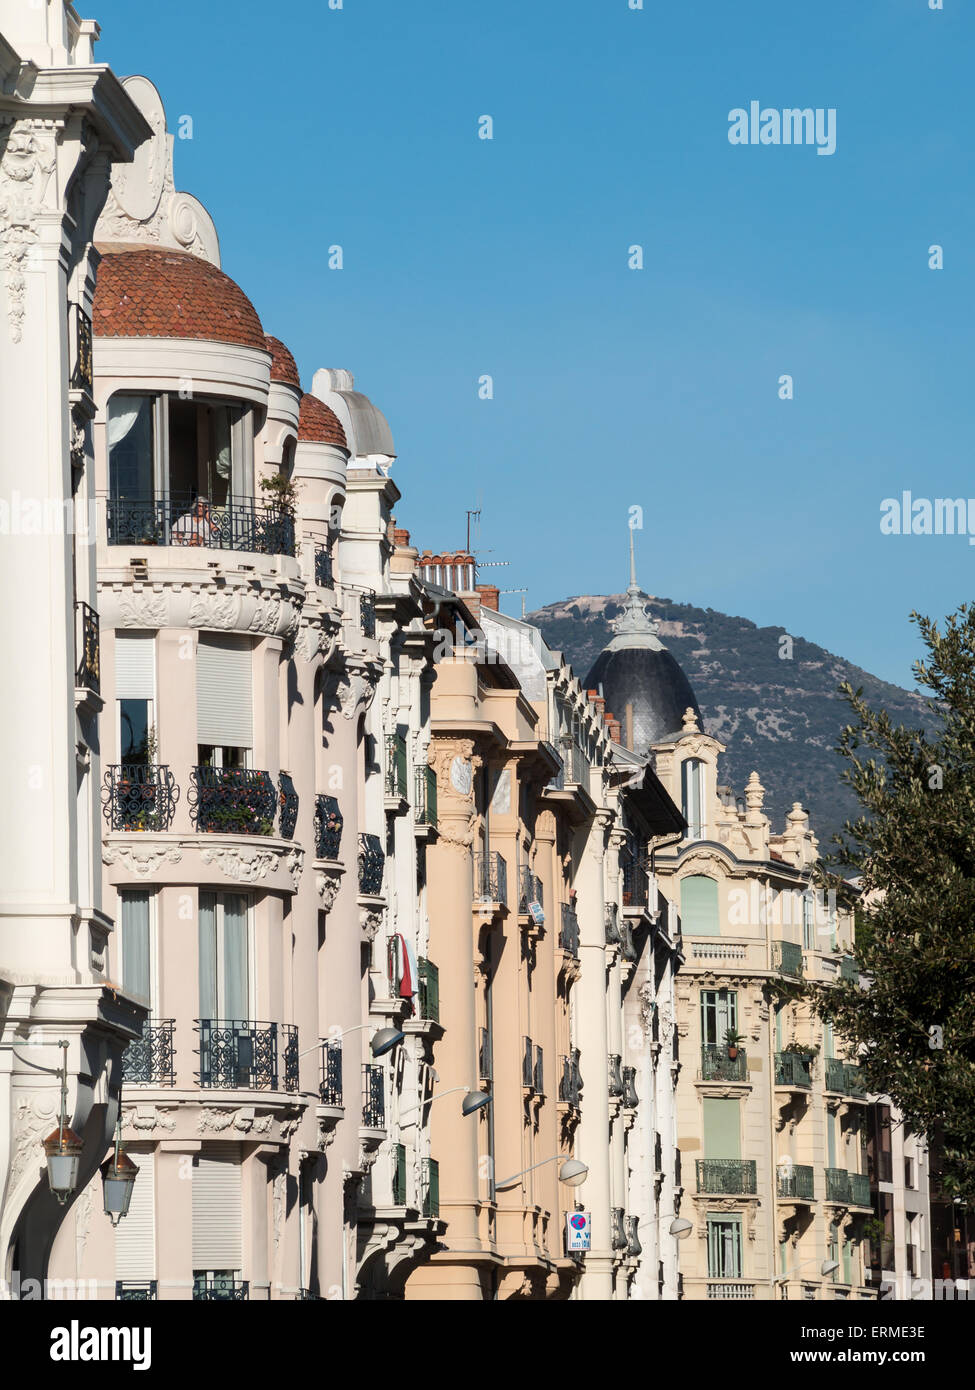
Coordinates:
x,y
319,425
150,293
283,365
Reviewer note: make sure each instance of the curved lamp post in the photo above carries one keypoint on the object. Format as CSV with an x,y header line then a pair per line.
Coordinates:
x,y
573,1171
472,1102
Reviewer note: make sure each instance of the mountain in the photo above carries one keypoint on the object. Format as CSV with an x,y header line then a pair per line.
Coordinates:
x,y
780,715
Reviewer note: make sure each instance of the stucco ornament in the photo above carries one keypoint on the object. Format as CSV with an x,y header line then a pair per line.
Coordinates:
x,y
295,863
328,889
26,165
370,921
244,865
243,1121
148,1117
142,860
138,609
33,1118
143,204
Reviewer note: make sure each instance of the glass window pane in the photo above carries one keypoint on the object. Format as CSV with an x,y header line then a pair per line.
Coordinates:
x,y
236,1001
130,447
133,730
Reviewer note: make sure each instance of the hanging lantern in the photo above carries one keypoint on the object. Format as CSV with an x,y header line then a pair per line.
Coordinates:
x,y
118,1179
63,1150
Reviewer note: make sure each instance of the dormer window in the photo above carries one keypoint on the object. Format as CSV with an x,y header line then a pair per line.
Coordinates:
x,y
692,797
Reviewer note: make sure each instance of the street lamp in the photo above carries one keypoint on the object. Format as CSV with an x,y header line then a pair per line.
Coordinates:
x,y
62,1147
472,1102
827,1267
118,1177
381,1042
573,1171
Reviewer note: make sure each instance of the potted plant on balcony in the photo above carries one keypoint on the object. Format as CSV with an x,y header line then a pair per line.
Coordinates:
x,y
732,1041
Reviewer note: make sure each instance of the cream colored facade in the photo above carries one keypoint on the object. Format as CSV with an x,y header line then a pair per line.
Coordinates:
x,y
549,997
772,1140
64,123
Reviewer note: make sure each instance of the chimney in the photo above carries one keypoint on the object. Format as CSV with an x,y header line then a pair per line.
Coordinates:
x,y
490,595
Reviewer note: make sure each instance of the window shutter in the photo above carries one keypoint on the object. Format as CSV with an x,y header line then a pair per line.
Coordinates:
x,y
135,1235
722,1128
223,692
699,906
135,667
216,1207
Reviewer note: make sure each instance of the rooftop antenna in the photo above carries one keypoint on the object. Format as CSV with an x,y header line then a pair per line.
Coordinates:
x,y
633,583
476,513
523,592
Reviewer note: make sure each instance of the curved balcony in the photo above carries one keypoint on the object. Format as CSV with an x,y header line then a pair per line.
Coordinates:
x,y
792,1069
795,1183
288,804
490,878
716,1065
139,797
373,1097
570,1085
328,827
787,959
569,930
243,525
149,1060
232,801
330,1084
372,865
324,576
238,1055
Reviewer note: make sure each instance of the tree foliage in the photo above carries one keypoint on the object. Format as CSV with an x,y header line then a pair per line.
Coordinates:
x,y
913,846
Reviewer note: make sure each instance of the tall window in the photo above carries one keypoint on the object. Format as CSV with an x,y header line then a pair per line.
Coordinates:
x,y
692,796
699,906
224,957
135,680
724,1247
162,445
131,447
224,701
719,1012
808,921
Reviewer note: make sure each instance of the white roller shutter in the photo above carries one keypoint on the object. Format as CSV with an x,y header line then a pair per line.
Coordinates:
x,y
216,1207
135,1234
135,667
223,692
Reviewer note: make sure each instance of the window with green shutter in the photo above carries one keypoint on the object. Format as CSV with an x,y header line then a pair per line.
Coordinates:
x,y
699,906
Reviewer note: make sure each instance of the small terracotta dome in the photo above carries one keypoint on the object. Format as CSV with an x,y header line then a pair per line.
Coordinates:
x,y
319,425
150,293
283,365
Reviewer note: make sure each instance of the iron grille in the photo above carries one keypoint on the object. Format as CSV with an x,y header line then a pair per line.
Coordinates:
x,y
88,672
328,827
232,801
139,796
373,1097
330,1087
166,521
372,862
149,1060
239,1055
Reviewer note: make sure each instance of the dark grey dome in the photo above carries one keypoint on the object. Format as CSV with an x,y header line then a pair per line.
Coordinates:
x,y
639,678
645,685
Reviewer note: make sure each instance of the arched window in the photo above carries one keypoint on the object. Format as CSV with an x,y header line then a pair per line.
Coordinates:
x,y
699,906
692,796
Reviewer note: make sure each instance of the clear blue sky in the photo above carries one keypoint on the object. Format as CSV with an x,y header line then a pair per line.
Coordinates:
x,y
616,387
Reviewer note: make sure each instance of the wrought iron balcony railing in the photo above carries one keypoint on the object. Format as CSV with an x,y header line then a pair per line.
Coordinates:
x,y
328,827
360,606
792,1069
618,1226
615,1075
149,1060
570,1083
630,1096
612,924
372,864
859,1190
88,671
324,576
658,1152
538,1072
796,1182
732,1177
395,765
716,1065
569,930
373,1097
220,1290
429,1188
244,525
425,796
139,796
288,803
238,1055
490,878
330,1084
136,1290
576,769
633,1246
635,881
232,801
528,1063
529,888
787,959
428,995
838,1185
836,1075
399,1175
